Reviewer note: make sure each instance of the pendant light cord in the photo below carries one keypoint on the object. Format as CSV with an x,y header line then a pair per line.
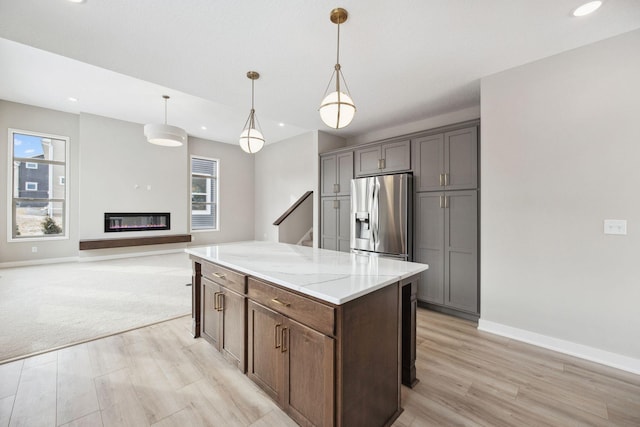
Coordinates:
x,y
165,111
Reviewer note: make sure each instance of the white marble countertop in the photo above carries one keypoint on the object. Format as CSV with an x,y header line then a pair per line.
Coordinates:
x,y
335,277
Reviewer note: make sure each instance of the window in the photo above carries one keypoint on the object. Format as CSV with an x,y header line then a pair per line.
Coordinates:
x,y
37,196
204,194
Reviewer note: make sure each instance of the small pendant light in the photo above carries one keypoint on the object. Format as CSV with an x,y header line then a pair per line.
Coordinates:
x,y
166,135
337,108
251,139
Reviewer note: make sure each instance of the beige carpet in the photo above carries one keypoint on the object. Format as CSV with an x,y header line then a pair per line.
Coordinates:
x,y
49,306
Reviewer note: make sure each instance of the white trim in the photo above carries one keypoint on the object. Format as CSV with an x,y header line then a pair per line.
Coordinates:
x,y
40,261
26,165
26,186
9,196
593,354
217,201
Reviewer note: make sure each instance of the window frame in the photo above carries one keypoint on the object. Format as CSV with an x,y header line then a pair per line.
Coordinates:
x,y
26,186
217,193
31,165
11,223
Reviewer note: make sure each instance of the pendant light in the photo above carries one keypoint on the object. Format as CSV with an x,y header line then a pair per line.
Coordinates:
x,y
337,108
166,135
251,139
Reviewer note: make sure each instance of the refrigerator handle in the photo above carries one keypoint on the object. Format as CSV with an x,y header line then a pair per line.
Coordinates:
x,y
374,213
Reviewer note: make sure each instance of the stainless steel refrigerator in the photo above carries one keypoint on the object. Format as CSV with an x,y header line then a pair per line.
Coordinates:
x,y
381,215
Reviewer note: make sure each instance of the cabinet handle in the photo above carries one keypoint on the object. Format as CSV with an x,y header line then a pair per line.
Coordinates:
x,y
221,302
446,202
441,202
215,301
441,181
284,340
220,276
381,164
446,179
277,301
336,204
276,335
336,188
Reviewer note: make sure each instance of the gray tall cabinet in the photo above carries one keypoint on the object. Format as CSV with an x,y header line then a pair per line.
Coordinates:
x,y
336,172
446,219
444,163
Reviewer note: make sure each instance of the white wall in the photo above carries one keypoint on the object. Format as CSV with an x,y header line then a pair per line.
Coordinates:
x,y
236,192
560,153
466,114
283,172
35,119
121,172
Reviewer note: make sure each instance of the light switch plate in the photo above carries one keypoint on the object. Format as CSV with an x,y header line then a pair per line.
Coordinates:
x,y
615,226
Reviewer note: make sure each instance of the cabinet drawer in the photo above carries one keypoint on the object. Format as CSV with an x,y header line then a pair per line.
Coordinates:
x,y
306,311
225,277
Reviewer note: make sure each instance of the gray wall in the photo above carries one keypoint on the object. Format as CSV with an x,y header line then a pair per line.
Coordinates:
x,y
35,119
560,153
236,192
283,172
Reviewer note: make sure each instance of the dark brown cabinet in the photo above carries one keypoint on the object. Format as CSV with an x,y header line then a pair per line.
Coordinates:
x,y
291,362
223,312
387,157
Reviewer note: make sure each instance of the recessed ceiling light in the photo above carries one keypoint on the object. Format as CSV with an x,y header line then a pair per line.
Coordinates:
x,y
72,99
587,8
281,125
77,1
203,127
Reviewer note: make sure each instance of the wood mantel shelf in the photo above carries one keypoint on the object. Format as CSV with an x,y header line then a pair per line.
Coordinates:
x,y
133,241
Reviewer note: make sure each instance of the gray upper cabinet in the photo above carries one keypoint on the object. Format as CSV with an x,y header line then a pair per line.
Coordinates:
x,y
336,172
447,161
446,238
388,157
335,227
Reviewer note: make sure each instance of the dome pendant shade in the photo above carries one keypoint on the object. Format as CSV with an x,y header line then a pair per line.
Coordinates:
x,y
251,139
165,135
337,110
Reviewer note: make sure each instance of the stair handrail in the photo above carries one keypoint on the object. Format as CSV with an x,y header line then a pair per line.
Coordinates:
x,y
292,208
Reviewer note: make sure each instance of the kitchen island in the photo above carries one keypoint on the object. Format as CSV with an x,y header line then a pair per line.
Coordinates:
x,y
327,335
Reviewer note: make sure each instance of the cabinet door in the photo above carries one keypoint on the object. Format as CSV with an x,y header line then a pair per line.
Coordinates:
x,y
461,250
367,160
461,159
309,374
211,322
397,156
233,327
344,171
428,164
429,245
265,363
328,173
344,224
329,224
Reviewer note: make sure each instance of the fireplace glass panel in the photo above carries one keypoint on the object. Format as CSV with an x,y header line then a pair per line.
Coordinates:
x,y
130,221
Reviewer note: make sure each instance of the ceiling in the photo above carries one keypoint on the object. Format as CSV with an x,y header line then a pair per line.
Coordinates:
x,y
404,60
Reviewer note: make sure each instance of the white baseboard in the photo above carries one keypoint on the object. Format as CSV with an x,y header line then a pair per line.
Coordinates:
x,y
593,354
42,261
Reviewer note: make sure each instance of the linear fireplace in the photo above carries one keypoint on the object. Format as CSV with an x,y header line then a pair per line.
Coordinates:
x,y
132,221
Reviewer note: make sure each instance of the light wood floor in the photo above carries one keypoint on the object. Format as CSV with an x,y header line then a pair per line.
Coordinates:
x,y
161,376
